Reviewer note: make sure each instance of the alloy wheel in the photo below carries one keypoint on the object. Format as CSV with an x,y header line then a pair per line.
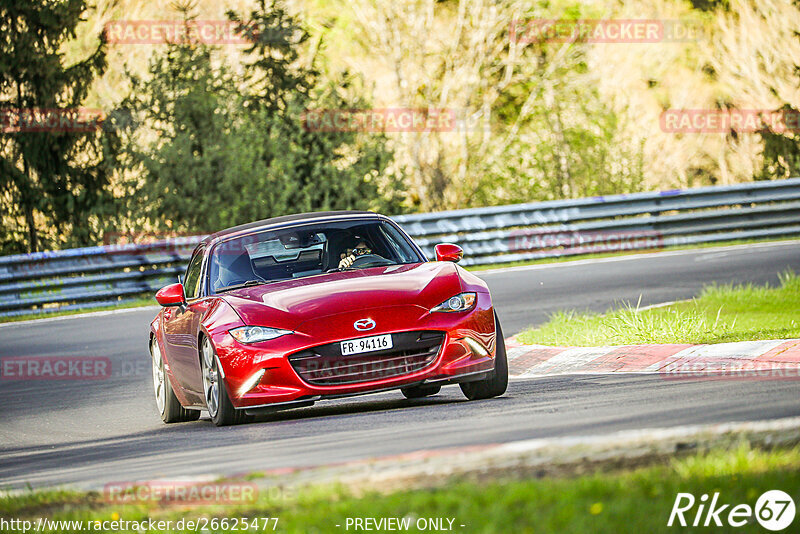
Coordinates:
x,y
158,377
210,378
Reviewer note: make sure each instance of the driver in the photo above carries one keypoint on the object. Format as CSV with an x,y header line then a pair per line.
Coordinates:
x,y
351,253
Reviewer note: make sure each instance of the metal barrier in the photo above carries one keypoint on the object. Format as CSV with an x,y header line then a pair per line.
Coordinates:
x,y
107,275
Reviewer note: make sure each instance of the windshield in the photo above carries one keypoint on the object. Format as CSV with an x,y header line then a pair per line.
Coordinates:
x,y
307,250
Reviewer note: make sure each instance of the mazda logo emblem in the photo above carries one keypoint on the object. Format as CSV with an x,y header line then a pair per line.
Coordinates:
x,y
364,324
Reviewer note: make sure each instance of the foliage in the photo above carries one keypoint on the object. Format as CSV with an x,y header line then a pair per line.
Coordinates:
x,y
532,124
537,119
753,62
562,140
781,152
217,148
53,183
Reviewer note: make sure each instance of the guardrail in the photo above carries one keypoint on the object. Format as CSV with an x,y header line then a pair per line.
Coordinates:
x,y
107,275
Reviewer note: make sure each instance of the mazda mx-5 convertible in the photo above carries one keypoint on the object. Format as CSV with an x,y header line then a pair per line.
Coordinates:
x,y
288,311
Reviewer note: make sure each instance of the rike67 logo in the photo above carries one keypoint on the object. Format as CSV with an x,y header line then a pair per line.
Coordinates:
x,y
774,510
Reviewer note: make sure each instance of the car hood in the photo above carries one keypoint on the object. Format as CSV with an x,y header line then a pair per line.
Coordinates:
x,y
289,303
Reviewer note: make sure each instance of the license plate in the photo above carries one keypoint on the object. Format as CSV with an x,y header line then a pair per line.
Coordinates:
x,y
366,344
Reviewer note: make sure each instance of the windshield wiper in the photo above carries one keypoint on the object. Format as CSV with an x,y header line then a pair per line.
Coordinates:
x,y
243,284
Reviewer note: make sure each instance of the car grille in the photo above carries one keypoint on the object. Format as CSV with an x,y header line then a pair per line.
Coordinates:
x,y
325,366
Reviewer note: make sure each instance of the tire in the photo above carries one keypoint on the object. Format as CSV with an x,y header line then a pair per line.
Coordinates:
x,y
418,392
496,384
218,402
167,404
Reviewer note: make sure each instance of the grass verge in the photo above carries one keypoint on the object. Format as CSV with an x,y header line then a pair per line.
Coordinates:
x,y
720,314
634,500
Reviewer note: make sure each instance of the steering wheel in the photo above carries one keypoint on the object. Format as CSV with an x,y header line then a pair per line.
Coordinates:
x,y
368,259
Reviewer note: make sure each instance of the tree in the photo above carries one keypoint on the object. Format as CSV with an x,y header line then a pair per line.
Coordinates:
x,y
532,125
214,149
781,152
753,61
53,179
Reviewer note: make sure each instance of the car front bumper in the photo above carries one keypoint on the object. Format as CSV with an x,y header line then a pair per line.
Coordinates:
x,y
466,353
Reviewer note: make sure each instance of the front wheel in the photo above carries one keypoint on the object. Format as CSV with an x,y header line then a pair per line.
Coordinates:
x,y
219,404
169,408
496,384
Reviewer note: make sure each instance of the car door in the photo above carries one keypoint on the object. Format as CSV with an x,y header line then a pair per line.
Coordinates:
x,y
181,329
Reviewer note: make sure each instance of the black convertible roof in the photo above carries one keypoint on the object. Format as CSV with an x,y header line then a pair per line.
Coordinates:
x,y
286,219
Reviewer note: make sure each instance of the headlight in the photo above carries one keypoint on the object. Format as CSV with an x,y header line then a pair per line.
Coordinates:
x,y
459,303
251,382
253,334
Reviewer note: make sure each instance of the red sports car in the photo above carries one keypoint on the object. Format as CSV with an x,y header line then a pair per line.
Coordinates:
x,y
287,311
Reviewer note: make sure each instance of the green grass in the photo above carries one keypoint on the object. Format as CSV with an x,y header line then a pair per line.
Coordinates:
x,y
720,314
638,500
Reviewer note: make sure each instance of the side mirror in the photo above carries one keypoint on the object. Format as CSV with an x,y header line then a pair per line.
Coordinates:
x,y
171,295
448,252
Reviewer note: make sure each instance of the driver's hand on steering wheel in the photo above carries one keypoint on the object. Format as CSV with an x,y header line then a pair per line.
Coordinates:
x,y
352,253
347,261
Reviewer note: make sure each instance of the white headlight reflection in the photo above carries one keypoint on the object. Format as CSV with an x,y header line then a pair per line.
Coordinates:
x,y
476,346
251,382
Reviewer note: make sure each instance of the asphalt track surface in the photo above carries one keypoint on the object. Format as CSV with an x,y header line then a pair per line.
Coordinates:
x,y
88,433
